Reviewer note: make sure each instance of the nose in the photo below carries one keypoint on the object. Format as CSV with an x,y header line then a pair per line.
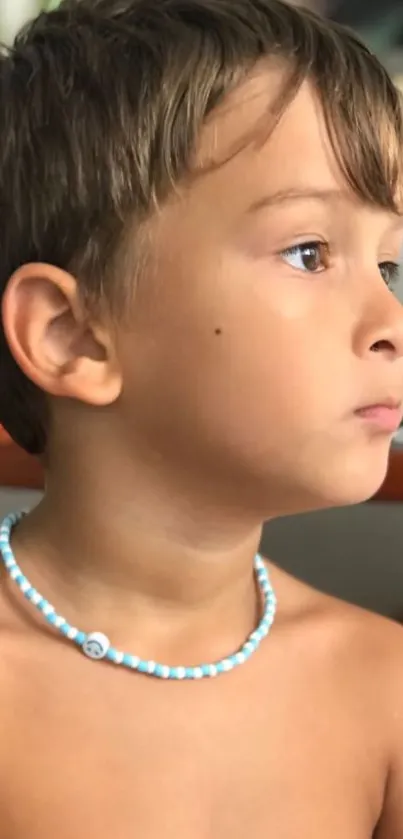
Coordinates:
x,y
381,327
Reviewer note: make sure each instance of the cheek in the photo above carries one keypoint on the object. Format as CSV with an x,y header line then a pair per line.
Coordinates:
x,y
269,361
234,353
264,387
258,383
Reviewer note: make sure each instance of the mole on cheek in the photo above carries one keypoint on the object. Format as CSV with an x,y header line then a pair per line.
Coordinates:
x,y
218,331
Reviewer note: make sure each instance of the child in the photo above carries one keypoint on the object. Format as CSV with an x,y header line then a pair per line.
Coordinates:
x,y
200,232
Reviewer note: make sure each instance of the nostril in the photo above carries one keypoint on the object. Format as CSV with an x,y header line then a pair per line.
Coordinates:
x,y
382,345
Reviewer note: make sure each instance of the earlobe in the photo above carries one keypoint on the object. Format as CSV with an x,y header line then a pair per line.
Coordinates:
x,y
54,341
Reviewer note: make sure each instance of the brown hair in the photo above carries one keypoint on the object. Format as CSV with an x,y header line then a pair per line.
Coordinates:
x,y
101,103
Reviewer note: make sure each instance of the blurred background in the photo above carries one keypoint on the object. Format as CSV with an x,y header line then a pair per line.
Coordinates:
x,y
355,553
14,13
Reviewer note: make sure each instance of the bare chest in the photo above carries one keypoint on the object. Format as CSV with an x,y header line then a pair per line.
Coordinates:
x,y
183,761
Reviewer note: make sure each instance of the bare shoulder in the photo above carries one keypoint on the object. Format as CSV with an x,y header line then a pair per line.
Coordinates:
x,y
349,662
360,642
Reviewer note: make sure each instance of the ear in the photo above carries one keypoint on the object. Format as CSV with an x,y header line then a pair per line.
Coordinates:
x,y
53,340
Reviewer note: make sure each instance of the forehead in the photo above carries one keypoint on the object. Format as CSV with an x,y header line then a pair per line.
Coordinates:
x,y
244,146
247,154
244,155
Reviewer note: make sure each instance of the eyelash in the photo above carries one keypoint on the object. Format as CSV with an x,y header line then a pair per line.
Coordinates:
x,y
322,250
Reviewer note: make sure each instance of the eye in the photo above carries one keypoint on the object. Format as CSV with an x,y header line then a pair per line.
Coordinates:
x,y
312,257
390,273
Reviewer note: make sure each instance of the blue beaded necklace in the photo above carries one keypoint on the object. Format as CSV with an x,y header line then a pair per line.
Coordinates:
x,y
97,646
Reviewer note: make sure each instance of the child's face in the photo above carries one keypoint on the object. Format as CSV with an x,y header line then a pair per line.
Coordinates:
x,y
246,362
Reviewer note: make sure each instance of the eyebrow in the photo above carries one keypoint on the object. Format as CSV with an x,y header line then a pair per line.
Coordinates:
x,y
284,196
325,196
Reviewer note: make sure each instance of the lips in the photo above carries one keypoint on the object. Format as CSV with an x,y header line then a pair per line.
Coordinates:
x,y
385,415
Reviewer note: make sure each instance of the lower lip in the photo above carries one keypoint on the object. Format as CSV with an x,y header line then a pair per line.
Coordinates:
x,y
384,418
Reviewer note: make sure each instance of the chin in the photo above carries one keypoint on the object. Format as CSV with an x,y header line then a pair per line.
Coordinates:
x,y
358,481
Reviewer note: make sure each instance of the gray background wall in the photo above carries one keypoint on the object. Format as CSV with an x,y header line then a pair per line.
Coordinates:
x,y
355,553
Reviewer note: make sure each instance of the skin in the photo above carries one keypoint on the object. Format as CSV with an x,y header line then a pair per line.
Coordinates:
x,y
228,396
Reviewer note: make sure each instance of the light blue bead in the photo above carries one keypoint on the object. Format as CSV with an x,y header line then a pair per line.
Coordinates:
x,y
189,672
205,668
158,671
112,654
80,638
142,667
127,660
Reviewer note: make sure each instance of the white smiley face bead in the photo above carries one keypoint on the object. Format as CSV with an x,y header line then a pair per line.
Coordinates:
x,y
96,645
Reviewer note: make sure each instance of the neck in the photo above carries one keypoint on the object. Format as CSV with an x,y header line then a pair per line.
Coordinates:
x,y
163,574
